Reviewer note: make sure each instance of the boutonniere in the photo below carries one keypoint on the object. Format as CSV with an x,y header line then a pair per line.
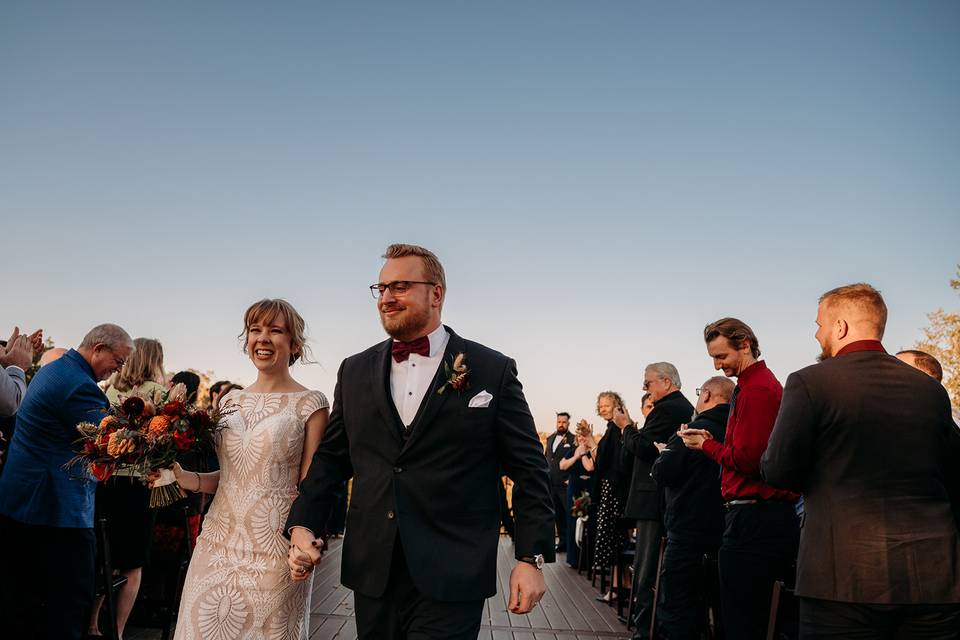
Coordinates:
x,y
456,373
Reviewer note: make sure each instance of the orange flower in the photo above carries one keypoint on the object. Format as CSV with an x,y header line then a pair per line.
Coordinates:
x,y
119,444
107,421
158,426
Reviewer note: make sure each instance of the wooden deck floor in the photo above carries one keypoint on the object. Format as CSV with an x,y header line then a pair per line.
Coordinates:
x,y
567,612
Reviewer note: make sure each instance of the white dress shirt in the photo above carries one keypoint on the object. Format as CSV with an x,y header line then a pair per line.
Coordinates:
x,y
410,379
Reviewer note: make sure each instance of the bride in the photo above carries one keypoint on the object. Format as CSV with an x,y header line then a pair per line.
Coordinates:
x,y
238,584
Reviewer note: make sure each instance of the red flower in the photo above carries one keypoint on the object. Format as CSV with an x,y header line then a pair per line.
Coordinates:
x,y
201,417
101,471
183,440
173,408
133,406
90,448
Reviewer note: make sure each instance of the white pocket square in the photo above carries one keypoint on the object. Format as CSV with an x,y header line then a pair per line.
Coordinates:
x,y
481,400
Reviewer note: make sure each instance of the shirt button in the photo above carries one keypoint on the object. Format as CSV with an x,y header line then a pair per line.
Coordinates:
x,y
398,469
413,364
409,393
391,515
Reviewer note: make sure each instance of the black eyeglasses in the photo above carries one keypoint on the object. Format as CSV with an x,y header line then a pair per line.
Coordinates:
x,y
700,390
397,287
647,383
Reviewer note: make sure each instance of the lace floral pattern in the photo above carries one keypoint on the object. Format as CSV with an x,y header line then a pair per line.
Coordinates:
x,y
237,586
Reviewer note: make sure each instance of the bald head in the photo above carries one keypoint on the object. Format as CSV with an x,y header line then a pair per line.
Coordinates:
x,y
923,361
716,390
51,355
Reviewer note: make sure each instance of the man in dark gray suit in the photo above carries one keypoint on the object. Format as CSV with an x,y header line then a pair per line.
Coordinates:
x,y
869,441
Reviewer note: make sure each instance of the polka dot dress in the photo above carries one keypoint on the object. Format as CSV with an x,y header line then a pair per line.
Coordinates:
x,y
609,536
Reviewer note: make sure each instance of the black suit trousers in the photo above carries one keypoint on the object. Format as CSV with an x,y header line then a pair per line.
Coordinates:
x,y
825,619
759,548
649,534
46,589
403,613
682,601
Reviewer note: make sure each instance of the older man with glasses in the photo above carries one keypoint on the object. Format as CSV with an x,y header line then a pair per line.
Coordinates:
x,y
46,511
644,504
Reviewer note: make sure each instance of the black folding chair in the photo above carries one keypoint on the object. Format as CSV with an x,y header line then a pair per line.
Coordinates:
x,y
784,621
107,584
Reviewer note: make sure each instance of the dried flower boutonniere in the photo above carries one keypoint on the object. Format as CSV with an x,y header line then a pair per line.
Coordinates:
x,y
456,374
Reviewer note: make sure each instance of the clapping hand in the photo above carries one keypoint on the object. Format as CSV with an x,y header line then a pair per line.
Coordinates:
x,y
660,446
694,438
18,352
621,417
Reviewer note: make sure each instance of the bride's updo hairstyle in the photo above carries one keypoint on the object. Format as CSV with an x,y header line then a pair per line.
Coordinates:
x,y
265,311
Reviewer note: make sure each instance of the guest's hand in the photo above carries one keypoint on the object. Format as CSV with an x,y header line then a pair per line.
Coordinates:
x,y
18,352
36,341
526,588
694,438
660,446
621,417
580,451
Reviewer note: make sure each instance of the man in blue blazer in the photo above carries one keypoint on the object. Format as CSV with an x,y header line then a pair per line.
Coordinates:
x,y
46,511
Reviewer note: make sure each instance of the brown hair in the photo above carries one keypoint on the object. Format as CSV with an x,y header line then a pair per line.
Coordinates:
x,y
610,394
735,331
926,363
145,363
862,296
265,311
432,268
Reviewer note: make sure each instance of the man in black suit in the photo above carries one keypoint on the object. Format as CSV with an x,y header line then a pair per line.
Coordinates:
x,y
870,442
560,444
645,500
423,423
694,516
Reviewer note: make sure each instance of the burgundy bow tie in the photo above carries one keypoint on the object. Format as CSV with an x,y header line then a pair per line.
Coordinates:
x,y
402,350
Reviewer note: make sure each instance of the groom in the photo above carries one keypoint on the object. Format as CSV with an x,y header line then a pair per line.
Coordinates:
x,y
423,423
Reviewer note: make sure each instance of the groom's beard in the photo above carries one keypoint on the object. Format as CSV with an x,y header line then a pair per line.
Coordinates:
x,y
408,325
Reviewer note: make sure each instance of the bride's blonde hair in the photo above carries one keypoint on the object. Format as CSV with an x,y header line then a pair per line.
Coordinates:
x,y
265,311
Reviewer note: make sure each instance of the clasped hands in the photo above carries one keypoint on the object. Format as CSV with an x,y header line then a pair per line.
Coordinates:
x,y
21,349
304,553
694,438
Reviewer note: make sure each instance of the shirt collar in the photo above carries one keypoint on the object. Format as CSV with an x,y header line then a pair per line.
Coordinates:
x,y
861,345
752,370
438,340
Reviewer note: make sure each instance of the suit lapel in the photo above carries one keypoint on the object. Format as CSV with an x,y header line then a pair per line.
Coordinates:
x,y
380,382
433,401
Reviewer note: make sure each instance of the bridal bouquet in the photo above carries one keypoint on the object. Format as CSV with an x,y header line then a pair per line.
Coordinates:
x,y
141,435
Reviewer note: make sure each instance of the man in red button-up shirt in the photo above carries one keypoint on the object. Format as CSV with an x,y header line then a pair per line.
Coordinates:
x,y
762,533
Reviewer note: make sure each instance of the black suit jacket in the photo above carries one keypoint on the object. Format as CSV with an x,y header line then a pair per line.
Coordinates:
x,y
557,476
868,440
435,487
644,501
691,483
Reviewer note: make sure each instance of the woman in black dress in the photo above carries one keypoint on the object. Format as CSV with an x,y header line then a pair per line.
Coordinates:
x,y
580,466
611,484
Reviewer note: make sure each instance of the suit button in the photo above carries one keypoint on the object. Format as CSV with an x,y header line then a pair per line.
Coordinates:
x,y
398,469
391,515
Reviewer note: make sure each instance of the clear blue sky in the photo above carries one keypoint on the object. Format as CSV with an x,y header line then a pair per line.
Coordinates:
x,y
600,179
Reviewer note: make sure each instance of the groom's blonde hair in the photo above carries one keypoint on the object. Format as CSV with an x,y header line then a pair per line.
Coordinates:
x,y
432,268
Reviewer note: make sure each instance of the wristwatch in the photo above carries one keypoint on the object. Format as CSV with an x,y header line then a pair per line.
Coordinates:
x,y
536,561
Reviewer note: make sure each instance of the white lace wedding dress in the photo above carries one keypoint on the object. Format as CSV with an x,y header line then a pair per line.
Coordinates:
x,y
238,586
